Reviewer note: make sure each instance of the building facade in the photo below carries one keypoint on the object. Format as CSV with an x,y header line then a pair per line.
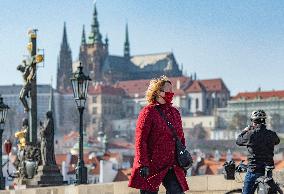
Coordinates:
x,y
192,97
16,112
104,105
235,116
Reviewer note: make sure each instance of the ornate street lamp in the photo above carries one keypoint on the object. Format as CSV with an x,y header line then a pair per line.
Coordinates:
x,y
80,84
3,115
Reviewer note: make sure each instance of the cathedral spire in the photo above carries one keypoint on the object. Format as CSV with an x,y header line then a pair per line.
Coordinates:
x,y
106,41
64,38
126,43
83,39
64,71
95,36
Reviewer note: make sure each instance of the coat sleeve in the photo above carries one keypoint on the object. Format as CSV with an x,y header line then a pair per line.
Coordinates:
x,y
243,138
143,128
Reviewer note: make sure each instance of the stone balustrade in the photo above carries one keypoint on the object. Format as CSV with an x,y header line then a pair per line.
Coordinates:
x,y
207,184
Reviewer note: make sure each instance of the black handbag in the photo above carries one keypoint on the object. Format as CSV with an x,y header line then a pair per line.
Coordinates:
x,y
183,156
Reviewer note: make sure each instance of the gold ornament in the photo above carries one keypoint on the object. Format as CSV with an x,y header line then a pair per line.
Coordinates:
x,y
39,58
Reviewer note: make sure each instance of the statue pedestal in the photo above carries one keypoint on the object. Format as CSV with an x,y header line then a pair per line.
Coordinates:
x,y
46,176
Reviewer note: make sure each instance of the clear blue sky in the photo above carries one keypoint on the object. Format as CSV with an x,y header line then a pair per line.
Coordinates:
x,y
239,41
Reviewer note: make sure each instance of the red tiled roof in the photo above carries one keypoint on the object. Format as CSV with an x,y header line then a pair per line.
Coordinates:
x,y
120,143
213,167
96,163
214,85
196,86
122,175
74,159
93,161
71,135
105,89
67,90
209,85
259,94
139,87
60,158
279,165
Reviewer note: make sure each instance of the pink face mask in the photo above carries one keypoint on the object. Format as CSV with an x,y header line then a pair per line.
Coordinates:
x,y
168,97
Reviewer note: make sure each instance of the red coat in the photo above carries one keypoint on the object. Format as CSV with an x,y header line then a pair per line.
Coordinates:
x,y
155,148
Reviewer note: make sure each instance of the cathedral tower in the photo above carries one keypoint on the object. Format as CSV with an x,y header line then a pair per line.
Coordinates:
x,y
64,64
126,44
93,51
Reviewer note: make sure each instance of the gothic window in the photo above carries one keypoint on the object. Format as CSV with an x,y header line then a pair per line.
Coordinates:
x,y
189,104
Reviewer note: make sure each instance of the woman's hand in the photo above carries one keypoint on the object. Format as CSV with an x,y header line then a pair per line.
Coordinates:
x,y
144,171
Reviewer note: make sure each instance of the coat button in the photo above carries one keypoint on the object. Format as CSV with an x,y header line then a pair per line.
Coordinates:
x,y
173,152
174,139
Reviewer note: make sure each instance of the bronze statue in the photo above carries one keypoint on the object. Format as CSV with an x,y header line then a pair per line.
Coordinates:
x,y
47,140
21,135
22,138
29,73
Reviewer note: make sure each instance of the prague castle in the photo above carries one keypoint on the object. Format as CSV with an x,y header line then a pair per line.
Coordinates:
x,y
104,67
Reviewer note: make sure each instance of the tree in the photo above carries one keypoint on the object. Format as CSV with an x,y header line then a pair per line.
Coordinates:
x,y
275,121
199,132
238,122
73,116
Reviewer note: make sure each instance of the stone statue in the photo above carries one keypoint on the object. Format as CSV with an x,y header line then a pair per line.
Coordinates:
x,y
47,140
29,73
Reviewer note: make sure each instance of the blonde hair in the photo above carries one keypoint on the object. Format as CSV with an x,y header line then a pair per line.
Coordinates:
x,y
154,87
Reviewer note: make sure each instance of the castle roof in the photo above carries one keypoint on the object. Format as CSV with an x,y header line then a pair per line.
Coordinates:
x,y
259,95
137,88
209,85
157,61
196,86
118,63
181,86
214,85
105,89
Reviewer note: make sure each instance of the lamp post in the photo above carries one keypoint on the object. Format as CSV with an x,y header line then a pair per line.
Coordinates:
x,y
3,115
80,84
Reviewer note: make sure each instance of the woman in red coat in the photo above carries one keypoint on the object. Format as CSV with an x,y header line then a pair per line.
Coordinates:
x,y
155,155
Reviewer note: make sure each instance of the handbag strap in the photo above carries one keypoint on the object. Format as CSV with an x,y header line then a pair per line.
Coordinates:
x,y
173,130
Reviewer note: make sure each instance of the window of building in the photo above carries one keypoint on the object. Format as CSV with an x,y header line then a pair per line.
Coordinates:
x,y
95,110
207,103
94,99
189,104
94,120
196,103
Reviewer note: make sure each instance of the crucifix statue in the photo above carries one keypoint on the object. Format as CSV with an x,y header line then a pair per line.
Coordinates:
x,y
29,72
29,89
